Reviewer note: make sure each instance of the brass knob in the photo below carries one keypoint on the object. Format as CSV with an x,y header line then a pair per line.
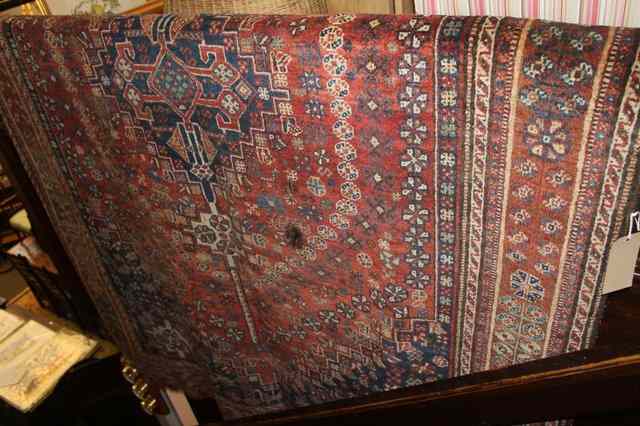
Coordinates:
x,y
149,405
130,374
140,389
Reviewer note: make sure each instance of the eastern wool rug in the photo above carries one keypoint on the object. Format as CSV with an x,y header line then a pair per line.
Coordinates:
x,y
282,211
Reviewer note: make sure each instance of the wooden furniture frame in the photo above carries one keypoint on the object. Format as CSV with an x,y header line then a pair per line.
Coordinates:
x,y
605,379
46,236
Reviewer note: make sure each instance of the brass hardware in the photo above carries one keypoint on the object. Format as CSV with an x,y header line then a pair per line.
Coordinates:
x,y
130,374
149,405
140,389
149,397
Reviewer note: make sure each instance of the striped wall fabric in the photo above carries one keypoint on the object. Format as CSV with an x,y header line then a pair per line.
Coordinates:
x,y
588,12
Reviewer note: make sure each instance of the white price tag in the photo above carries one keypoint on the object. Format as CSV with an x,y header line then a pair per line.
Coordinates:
x,y
622,261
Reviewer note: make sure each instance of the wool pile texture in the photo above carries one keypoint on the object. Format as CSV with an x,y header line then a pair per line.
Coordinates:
x,y
280,211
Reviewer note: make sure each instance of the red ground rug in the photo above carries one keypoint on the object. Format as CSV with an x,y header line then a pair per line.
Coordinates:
x,y
283,211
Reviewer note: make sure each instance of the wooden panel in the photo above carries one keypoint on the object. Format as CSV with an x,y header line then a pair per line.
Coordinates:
x,y
360,6
404,7
621,319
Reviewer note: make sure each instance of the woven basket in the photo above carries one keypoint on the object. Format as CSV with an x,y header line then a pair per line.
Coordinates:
x,y
277,7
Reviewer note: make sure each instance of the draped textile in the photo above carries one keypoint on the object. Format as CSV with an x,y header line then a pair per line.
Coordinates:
x,y
588,12
281,211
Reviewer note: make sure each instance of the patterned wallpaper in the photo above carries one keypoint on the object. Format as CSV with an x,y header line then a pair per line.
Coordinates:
x,y
588,12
